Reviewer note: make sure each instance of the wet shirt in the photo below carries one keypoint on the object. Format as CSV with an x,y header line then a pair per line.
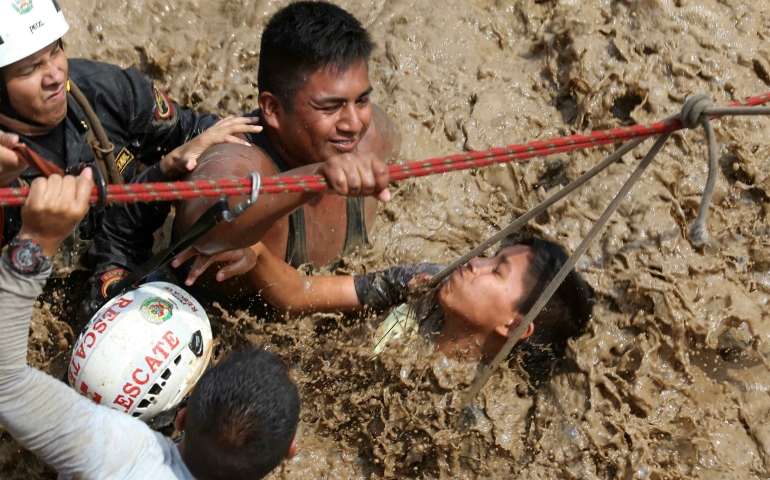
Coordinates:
x,y
72,434
137,117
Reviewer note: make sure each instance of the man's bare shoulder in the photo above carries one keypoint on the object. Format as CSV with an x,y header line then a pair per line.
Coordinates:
x,y
222,161
230,160
383,137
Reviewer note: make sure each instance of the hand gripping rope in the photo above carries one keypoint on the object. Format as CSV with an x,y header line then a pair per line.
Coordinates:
x,y
46,168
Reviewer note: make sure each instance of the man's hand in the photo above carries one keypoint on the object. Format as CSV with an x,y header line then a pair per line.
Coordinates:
x,y
183,159
54,208
238,261
10,165
358,175
418,281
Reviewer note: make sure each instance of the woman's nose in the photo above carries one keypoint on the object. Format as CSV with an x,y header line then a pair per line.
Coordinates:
x,y
475,264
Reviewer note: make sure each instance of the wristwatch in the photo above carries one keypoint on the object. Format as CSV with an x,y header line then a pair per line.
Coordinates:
x,y
26,257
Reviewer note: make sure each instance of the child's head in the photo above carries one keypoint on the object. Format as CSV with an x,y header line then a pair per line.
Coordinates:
x,y
491,297
241,418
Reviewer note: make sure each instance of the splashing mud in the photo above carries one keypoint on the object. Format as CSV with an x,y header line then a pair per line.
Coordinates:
x,y
672,378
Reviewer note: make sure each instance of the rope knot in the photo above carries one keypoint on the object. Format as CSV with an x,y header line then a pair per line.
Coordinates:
x,y
693,109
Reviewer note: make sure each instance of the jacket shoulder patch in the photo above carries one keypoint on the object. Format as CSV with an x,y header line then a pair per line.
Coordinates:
x,y
163,107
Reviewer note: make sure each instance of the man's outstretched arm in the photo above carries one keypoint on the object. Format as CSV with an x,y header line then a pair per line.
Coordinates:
x,y
69,432
287,290
350,174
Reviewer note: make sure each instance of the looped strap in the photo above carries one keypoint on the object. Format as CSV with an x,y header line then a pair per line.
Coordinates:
x,y
110,148
28,156
693,110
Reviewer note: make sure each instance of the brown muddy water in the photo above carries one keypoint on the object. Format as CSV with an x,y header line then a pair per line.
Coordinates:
x,y
672,378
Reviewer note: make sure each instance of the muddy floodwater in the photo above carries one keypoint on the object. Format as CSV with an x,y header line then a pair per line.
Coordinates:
x,y
672,378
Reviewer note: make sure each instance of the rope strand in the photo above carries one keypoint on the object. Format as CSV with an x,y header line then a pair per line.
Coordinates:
x,y
171,191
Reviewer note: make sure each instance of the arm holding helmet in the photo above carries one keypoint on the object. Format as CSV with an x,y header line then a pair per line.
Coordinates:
x,y
68,431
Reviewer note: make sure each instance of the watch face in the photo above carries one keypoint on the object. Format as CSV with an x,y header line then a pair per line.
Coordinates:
x,y
25,256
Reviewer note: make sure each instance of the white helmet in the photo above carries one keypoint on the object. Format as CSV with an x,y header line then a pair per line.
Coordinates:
x,y
143,351
27,26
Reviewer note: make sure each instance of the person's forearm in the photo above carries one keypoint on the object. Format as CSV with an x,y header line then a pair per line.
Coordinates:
x,y
249,228
253,225
17,299
287,290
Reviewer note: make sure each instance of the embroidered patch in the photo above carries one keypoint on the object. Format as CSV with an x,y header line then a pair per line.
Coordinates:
x,y
113,276
123,159
163,107
22,6
156,310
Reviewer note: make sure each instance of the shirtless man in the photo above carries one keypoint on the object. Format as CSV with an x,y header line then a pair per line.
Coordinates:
x,y
317,117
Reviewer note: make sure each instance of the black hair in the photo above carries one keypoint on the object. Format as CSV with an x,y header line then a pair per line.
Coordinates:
x,y
241,418
303,37
564,316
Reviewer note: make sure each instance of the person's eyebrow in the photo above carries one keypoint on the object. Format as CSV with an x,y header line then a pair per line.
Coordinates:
x,y
39,61
343,99
26,65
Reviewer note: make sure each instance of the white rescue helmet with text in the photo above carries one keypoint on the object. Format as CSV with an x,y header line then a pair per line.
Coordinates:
x,y
143,351
27,26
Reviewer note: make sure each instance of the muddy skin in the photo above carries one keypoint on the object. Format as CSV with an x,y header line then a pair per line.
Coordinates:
x,y
670,381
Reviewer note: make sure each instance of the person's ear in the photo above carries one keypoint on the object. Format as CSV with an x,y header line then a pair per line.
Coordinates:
x,y
292,449
179,421
272,109
508,328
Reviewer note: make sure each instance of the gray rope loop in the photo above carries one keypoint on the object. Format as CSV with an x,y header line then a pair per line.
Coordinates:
x,y
695,112
693,109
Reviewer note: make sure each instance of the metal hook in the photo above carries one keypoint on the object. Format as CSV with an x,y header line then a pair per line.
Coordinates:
x,y
238,210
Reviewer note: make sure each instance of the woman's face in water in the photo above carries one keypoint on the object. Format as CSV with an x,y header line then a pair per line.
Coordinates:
x,y
483,293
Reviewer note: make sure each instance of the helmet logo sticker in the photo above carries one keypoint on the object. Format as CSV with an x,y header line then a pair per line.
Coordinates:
x,y
156,310
22,6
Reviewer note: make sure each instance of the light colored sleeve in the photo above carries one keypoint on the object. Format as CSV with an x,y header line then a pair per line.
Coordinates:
x,y
66,430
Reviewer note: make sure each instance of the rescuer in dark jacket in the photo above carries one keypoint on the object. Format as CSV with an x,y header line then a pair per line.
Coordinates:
x,y
80,111
314,98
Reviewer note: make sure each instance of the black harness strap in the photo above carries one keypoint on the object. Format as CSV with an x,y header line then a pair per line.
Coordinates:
x,y
210,218
206,222
296,243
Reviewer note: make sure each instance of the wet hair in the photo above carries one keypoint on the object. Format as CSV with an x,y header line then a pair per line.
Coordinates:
x,y
303,37
564,316
241,417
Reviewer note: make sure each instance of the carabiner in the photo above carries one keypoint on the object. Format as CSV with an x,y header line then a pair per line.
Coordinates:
x,y
238,210
101,183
